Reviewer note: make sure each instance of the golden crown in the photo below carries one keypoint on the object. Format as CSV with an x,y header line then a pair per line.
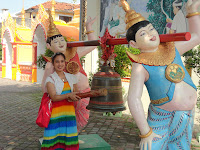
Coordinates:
x,y
52,27
132,17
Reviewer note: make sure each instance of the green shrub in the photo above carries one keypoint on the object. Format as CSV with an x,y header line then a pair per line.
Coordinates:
x,y
122,62
90,78
193,61
40,61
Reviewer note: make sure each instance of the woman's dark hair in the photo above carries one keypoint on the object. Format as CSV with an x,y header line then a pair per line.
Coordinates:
x,y
55,55
49,39
130,34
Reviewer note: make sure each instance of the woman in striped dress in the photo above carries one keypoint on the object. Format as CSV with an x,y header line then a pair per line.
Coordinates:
x,y
61,133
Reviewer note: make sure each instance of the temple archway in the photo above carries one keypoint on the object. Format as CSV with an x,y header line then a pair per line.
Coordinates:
x,y
8,52
39,37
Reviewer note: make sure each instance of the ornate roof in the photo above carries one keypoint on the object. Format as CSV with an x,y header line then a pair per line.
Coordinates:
x,y
70,32
10,24
18,33
41,18
24,35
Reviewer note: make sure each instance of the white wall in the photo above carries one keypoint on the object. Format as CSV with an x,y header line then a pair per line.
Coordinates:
x,y
93,9
1,17
6,41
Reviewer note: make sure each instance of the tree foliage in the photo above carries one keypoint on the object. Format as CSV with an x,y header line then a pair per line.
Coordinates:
x,y
41,63
122,62
193,59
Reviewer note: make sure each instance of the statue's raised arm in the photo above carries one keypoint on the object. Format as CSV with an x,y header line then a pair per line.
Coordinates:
x,y
194,24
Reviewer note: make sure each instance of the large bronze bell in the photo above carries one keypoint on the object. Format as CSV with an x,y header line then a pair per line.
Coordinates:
x,y
109,79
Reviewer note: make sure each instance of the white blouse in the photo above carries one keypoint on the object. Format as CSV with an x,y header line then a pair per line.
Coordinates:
x,y
59,84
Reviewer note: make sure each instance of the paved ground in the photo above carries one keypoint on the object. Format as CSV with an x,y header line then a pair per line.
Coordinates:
x,y
19,103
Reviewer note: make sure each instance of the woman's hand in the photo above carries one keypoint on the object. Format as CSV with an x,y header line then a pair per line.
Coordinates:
x,y
148,141
73,97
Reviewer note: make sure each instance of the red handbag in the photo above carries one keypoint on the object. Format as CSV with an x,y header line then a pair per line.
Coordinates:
x,y
44,113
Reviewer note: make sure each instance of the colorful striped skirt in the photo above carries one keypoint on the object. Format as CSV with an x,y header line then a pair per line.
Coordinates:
x,y
61,133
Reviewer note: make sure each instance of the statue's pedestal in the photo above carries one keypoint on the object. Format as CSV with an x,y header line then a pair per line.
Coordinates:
x,y
90,142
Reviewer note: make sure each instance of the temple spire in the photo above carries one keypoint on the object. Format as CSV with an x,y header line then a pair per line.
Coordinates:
x,y
53,9
23,15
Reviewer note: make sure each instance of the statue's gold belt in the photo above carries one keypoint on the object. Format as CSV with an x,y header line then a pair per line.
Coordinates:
x,y
160,101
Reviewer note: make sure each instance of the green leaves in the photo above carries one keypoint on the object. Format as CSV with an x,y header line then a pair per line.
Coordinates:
x,y
193,59
40,61
122,62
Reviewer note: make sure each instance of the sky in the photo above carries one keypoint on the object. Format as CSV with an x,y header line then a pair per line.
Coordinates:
x,y
15,6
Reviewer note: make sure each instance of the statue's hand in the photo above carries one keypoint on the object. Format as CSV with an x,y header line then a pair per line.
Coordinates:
x,y
148,141
192,6
89,23
49,68
169,20
49,65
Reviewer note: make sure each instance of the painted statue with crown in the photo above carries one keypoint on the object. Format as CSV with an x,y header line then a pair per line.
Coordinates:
x,y
56,43
172,92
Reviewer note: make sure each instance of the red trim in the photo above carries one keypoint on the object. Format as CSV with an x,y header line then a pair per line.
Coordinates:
x,y
15,43
4,55
9,34
44,57
34,55
17,39
106,103
26,72
26,69
14,55
125,79
106,74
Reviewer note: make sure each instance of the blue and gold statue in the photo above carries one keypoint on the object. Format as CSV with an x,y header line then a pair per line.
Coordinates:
x,y
172,93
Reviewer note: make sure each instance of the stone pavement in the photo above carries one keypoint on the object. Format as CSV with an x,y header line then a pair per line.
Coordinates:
x,y
19,103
